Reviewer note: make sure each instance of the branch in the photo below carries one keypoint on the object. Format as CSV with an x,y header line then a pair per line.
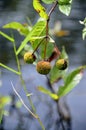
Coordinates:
x,y
35,116
47,27
52,9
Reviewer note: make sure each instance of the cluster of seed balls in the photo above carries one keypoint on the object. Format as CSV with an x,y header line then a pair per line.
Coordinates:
x,y
43,66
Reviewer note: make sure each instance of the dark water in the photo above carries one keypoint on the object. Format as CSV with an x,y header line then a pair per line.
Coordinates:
x,y
19,10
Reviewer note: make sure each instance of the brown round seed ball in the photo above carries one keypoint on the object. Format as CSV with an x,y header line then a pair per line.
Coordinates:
x,y
61,64
43,67
29,57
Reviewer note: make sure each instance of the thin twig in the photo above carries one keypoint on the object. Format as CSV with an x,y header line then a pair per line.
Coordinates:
x,y
35,116
52,9
39,44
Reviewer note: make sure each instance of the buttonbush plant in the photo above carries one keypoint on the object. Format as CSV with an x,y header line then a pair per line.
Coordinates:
x,y
43,50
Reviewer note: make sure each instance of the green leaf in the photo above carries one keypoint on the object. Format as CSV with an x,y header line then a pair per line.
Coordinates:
x,y
71,81
63,54
40,9
29,94
6,36
23,29
37,38
4,100
49,49
48,1
36,31
84,33
18,104
84,29
65,6
56,74
10,69
83,22
46,91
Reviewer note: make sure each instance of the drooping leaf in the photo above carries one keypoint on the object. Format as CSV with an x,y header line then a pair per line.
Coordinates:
x,y
71,81
36,31
40,9
46,91
23,29
48,1
6,36
65,6
55,73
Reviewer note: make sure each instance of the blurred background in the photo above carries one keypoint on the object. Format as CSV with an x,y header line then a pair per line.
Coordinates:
x,y
71,38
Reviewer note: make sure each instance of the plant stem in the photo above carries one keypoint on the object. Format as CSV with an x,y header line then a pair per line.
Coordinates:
x,y
10,69
45,49
41,124
25,89
52,9
17,60
38,45
47,27
23,83
35,116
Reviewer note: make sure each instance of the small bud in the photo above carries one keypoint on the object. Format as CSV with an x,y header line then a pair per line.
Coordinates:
x,y
43,67
29,57
61,64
